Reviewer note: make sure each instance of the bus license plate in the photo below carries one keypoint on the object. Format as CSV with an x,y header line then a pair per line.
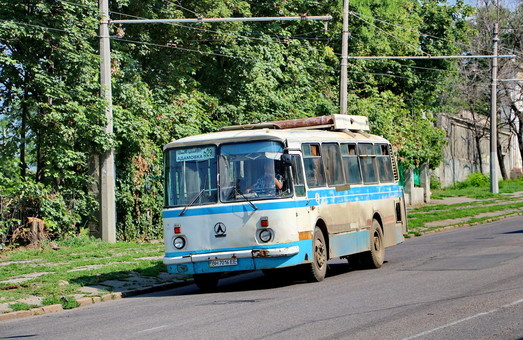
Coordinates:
x,y
222,263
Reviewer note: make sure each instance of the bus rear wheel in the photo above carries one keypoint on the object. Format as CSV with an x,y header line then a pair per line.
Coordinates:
x,y
316,270
206,282
375,257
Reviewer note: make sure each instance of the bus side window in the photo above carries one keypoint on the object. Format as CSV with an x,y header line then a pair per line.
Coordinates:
x,y
351,163
297,175
314,172
367,156
384,163
332,162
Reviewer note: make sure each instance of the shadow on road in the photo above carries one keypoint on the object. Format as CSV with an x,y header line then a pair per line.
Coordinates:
x,y
258,280
514,232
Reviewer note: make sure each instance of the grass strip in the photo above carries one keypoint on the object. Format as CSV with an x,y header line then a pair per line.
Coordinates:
x,y
418,221
72,265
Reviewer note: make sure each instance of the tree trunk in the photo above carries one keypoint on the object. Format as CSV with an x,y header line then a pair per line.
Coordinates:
x,y
40,162
477,138
23,135
520,136
501,159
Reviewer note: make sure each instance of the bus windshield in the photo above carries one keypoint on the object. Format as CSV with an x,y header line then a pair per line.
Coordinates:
x,y
190,176
252,171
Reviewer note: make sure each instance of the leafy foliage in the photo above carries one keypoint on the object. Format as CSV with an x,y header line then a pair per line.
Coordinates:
x,y
171,81
50,111
476,179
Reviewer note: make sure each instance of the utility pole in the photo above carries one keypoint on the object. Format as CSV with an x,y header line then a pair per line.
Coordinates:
x,y
493,115
344,58
107,168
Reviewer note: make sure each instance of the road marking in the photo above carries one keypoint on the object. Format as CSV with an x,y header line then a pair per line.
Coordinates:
x,y
152,329
463,320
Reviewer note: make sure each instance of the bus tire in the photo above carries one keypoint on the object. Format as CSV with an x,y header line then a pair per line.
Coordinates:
x,y
206,282
375,257
317,269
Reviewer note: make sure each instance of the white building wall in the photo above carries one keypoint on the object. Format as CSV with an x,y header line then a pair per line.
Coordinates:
x,y
461,157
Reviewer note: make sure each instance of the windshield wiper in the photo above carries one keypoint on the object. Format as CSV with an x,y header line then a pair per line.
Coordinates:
x,y
195,197
245,198
192,201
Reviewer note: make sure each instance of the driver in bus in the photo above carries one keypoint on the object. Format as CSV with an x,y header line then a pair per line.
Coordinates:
x,y
269,181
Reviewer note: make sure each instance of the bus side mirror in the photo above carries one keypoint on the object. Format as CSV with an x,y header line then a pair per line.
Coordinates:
x,y
286,159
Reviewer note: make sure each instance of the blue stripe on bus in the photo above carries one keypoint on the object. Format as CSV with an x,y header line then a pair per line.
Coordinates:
x,y
325,195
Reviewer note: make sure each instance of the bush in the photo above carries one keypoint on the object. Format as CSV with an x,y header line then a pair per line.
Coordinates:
x,y
81,240
476,179
435,183
22,200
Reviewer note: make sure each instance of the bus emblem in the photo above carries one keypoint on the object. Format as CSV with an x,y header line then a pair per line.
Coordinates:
x,y
219,230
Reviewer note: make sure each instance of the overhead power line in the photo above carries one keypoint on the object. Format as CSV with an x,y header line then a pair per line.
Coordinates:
x,y
381,59
359,16
44,27
212,53
243,19
229,56
434,57
416,48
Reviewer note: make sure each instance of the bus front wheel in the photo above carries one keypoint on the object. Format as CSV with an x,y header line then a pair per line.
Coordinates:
x,y
317,269
206,282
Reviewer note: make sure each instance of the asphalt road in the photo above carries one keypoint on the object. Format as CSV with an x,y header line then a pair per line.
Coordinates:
x,y
460,284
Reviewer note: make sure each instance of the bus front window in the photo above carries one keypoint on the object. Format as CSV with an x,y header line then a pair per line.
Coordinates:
x,y
253,171
190,176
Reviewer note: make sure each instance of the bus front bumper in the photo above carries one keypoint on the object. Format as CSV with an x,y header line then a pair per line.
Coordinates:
x,y
242,254
250,259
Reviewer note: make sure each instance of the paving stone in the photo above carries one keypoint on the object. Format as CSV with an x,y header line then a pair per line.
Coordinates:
x,y
16,315
89,267
24,278
85,301
4,307
111,296
166,277
32,300
151,258
52,308
90,290
7,263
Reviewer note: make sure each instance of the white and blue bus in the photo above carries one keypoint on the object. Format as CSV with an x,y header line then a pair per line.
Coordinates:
x,y
280,194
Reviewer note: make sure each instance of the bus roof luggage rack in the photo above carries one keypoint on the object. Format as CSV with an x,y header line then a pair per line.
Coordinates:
x,y
333,122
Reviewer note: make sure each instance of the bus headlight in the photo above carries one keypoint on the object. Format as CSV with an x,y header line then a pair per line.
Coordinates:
x,y
179,242
265,235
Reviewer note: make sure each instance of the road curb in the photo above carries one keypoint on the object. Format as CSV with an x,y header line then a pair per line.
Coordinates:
x,y
90,300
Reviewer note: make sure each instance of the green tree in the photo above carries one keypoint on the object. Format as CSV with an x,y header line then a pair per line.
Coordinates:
x,y
50,107
170,81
